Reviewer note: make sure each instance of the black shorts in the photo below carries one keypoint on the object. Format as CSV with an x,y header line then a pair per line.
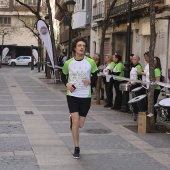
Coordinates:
x,y
80,105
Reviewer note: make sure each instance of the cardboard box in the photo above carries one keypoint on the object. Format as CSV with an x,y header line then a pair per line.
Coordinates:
x,y
142,122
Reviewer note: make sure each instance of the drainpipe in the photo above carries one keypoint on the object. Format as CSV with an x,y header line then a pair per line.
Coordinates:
x,y
167,51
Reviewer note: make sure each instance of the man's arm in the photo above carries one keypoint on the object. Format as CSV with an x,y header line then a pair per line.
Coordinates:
x,y
64,78
93,77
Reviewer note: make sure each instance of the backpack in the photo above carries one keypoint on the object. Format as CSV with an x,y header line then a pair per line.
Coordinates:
x,y
162,79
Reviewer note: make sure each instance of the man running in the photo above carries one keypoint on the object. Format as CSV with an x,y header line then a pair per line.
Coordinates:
x,y
77,74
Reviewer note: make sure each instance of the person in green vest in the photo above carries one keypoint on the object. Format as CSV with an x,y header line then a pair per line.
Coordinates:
x,y
135,67
158,73
108,80
118,71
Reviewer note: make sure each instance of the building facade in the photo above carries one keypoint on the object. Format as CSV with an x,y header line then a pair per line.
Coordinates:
x,y
116,34
13,33
80,22
115,39
14,20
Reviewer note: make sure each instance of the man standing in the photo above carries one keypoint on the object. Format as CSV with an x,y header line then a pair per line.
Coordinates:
x,y
77,74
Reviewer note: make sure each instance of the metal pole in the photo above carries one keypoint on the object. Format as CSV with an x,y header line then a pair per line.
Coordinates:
x,y
124,106
42,58
39,54
70,32
2,50
32,59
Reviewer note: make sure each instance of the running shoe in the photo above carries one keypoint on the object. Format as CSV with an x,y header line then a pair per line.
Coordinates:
x,y
76,154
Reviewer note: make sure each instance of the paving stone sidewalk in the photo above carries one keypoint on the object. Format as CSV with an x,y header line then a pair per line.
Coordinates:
x,y
42,140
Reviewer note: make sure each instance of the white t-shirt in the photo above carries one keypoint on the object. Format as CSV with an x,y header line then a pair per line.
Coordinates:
x,y
105,72
77,70
133,74
146,78
146,70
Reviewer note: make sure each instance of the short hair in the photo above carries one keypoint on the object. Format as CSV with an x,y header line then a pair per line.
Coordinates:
x,y
74,43
136,56
132,55
146,53
96,56
109,56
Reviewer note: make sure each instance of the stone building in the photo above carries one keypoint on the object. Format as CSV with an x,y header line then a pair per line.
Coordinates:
x,y
13,33
80,22
87,18
115,39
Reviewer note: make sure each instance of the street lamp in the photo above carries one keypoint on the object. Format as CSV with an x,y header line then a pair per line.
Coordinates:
x,y
124,106
70,7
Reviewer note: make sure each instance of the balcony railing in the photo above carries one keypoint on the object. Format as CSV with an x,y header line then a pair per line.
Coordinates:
x,y
99,10
123,8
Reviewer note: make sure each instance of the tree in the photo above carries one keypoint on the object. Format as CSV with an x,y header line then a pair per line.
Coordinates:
x,y
105,24
36,12
52,39
151,67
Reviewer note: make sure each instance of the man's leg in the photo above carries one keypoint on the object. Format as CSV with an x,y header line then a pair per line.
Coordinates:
x,y
75,128
77,122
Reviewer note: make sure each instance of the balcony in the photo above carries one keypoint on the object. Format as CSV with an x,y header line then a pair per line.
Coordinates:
x,y
60,14
138,4
99,11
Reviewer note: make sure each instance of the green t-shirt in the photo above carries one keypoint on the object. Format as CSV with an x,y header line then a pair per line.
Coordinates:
x,y
112,64
139,68
77,70
157,72
119,68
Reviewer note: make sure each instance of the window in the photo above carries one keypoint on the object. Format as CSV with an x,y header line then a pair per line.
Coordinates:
x,y
26,58
4,3
5,20
31,2
1,20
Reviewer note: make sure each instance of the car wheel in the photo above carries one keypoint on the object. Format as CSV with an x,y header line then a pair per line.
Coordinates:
x,y
29,64
13,64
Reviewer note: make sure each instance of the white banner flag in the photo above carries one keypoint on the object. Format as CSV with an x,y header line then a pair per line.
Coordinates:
x,y
35,54
45,36
4,52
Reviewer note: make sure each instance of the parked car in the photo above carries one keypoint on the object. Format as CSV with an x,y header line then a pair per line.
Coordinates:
x,y
21,60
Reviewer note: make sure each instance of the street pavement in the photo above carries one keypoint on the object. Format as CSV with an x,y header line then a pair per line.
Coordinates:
x,y
35,134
